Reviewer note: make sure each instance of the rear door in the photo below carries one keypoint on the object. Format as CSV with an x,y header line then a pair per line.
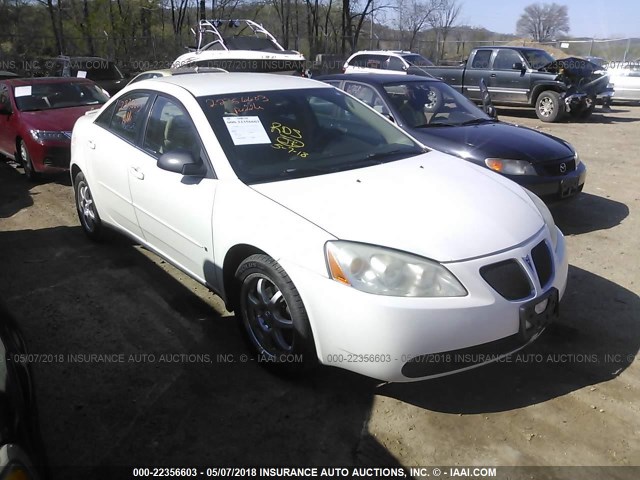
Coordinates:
x,y
174,211
113,143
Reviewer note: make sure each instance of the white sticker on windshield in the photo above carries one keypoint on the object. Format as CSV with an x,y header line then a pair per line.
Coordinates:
x,y
246,130
22,91
81,74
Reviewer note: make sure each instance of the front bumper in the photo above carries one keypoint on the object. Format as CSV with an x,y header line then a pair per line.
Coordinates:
x,y
383,337
50,157
554,188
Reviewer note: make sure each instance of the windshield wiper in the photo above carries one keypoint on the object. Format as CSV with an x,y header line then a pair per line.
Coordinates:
x,y
477,121
391,153
437,124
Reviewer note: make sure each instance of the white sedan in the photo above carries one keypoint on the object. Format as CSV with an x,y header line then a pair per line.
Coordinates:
x,y
334,236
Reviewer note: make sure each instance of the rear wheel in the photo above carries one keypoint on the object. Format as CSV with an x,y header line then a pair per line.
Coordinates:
x,y
86,207
273,316
27,164
549,108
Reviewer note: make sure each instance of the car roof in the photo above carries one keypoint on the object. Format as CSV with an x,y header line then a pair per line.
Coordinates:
x,y
214,83
18,82
377,79
385,52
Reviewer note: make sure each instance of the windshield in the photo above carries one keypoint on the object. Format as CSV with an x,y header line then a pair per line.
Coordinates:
x,y
279,135
423,104
48,96
537,58
96,70
417,60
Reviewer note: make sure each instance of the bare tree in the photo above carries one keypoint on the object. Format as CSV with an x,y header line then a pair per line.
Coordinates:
x,y
442,21
543,22
419,15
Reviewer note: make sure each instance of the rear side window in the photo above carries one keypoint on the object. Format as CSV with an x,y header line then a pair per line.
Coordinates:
x,y
128,116
481,59
369,61
395,64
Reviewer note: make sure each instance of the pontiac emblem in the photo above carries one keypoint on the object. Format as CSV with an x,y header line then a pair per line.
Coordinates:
x,y
527,260
563,167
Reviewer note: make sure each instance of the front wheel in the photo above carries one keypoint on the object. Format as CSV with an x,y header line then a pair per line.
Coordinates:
x,y
273,316
86,207
549,108
27,163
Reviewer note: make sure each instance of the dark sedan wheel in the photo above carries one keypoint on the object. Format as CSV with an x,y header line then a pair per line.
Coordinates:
x,y
87,211
274,317
25,160
549,108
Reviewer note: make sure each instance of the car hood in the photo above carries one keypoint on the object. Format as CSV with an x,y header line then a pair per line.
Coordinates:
x,y
433,205
57,119
493,140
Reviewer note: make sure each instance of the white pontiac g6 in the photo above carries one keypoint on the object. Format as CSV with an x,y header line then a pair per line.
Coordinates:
x,y
334,236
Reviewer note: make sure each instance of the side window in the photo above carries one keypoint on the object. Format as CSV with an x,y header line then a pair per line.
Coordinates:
x,y
481,59
359,61
4,98
505,59
366,94
170,129
104,119
395,64
128,115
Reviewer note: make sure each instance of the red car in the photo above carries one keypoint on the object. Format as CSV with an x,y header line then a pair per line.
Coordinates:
x,y
37,116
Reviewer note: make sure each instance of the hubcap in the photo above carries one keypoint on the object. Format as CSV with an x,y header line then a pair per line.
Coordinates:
x,y
86,206
268,318
546,107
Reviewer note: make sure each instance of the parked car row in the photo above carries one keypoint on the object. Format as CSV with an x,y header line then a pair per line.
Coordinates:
x,y
514,76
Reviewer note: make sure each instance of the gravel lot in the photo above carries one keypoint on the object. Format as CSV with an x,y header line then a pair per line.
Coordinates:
x,y
174,397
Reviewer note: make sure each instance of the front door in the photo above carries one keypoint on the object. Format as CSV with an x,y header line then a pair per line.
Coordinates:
x,y
174,211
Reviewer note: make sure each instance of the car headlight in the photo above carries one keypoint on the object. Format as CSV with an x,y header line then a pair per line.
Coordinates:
x,y
510,167
42,136
576,157
384,271
547,217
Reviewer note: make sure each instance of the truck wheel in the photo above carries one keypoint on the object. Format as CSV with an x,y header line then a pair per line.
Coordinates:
x,y
549,108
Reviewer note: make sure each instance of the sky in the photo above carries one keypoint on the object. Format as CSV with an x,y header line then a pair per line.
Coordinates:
x,y
588,18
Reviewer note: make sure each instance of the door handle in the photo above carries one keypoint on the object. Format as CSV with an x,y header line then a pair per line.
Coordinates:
x,y
92,145
493,75
136,173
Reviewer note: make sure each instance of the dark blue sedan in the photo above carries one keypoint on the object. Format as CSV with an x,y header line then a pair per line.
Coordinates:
x,y
445,120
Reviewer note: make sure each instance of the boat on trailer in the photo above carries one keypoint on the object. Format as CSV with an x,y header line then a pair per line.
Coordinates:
x,y
240,45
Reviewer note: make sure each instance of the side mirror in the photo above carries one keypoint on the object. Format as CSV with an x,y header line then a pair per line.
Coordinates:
x,y
181,162
518,66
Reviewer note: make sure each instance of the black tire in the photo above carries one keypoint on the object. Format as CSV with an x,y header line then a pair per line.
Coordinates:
x,y
25,160
549,108
86,208
273,317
